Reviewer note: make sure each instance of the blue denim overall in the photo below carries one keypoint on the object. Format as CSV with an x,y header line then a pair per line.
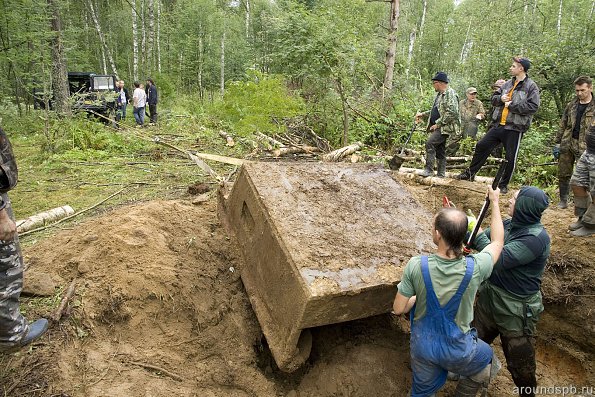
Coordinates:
x,y
437,343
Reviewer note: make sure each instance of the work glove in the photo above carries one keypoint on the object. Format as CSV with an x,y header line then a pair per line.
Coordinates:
x,y
471,221
556,151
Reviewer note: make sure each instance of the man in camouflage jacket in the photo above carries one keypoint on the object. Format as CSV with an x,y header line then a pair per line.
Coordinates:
x,y
15,331
444,125
570,139
472,112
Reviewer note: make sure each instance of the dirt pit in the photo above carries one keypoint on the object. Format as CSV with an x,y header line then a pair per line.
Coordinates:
x,y
160,310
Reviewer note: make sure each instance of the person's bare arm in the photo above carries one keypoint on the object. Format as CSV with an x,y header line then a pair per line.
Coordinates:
x,y
496,227
402,304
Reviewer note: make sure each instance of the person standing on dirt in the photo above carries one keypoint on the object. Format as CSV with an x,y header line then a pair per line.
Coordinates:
x,y
570,139
515,104
152,98
443,124
15,330
472,112
583,182
509,303
439,290
139,100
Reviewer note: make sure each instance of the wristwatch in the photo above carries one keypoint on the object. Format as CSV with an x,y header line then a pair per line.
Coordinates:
x,y
2,203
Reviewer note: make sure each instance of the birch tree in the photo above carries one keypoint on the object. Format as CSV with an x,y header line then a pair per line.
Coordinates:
x,y
134,41
104,46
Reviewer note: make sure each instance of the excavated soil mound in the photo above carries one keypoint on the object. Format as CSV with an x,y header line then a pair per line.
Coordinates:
x,y
160,310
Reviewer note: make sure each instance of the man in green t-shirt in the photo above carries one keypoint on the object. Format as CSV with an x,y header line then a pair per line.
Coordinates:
x,y
440,289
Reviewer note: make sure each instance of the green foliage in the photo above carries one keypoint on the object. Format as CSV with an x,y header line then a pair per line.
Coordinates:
x,y
257,104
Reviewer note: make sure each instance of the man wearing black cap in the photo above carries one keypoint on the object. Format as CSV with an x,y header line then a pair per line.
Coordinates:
x,y
515,103
443,123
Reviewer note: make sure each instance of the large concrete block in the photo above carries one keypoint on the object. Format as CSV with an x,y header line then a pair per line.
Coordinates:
x,y
322,244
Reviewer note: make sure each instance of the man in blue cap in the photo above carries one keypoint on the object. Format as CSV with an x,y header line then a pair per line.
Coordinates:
x,y
515,103
444,125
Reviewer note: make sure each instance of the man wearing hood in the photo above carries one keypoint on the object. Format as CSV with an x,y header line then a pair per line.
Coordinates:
x,y
509,302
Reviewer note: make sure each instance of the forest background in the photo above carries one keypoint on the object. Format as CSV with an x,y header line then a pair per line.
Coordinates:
x,y
351,70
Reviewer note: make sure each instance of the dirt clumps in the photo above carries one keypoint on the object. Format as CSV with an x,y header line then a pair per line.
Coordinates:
x,y
160,310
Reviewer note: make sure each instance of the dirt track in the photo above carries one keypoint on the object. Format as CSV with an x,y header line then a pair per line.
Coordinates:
x,y
161,311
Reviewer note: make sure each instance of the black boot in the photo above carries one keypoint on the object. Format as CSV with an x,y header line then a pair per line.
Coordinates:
x,y
467,388
441,168
465,175
564,190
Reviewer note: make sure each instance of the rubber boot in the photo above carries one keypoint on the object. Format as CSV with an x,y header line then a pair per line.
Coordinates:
x,y
441,168
588,223
564,189
467,387
430,159
36,330
580,207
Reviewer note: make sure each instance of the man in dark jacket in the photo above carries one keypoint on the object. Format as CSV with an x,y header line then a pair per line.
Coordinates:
x,y
151,91
515,104
510,303
15,331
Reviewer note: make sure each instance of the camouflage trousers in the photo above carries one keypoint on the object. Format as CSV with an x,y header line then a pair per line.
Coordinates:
x,y
584,175
13,325
568,157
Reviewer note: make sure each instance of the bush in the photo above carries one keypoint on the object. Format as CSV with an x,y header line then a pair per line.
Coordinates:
x,y
257,104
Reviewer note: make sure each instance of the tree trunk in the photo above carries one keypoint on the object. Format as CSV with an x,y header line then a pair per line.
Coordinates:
x,y
108,53
464,48
410,52
134,42
247,4
59,70
222,87
344,108
389,62
423,20
559,25
143,42
159,36
200,66
151,37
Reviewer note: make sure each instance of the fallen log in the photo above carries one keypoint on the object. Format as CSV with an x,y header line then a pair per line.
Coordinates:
x,y
295,149
269,140
42,218
227,137
433,180
220,159
338,154
416,171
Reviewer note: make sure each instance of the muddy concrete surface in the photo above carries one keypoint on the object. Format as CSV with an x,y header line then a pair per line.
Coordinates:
x,y
160,310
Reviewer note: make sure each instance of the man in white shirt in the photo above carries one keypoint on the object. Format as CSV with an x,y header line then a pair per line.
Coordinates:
x,y
139,100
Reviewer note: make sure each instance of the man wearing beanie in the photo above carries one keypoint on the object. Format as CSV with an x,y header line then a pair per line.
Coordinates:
x,y
443,124
509,303
515,103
